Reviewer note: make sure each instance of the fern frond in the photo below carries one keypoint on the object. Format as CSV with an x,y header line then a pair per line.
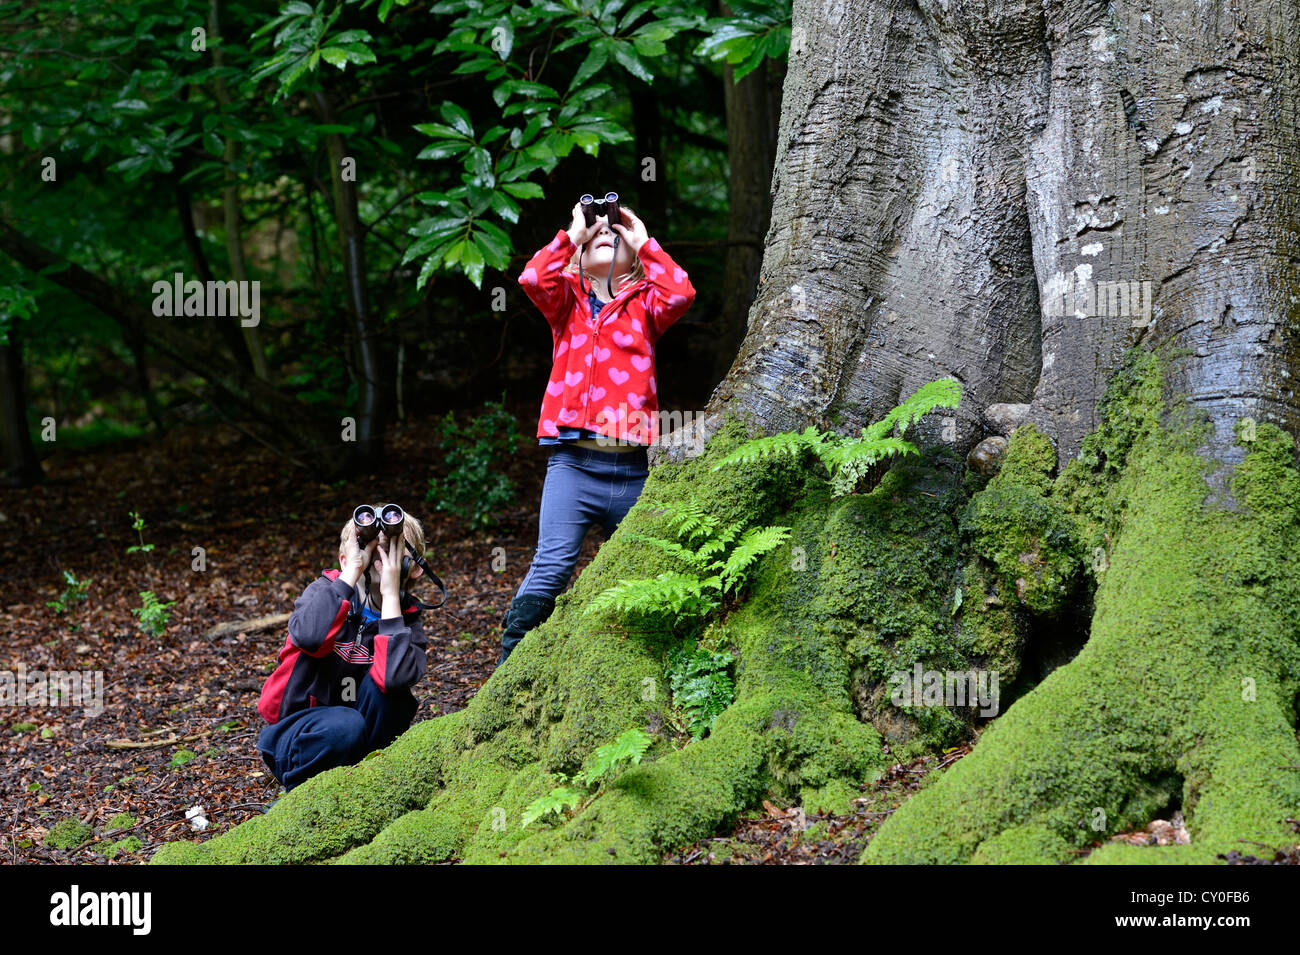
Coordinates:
x,y
673,549
944,393
630,746
785,444
669,593
556,801
689,519
755,542
717,544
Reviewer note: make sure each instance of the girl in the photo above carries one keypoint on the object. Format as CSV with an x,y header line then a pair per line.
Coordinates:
x,y
600,412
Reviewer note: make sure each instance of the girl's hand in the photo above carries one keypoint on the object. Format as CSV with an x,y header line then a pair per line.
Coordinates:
x,y
578,230
632,229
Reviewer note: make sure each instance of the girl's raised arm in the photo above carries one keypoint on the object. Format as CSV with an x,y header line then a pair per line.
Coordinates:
x,y
670,291
543,277
543,281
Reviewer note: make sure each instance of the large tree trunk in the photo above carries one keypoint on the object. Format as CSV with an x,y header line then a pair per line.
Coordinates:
x,y
945,169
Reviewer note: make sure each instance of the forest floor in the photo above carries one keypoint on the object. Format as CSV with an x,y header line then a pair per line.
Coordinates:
x,y
178,727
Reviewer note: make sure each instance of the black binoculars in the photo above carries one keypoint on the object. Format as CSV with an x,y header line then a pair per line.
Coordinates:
x,y
593,208
369,520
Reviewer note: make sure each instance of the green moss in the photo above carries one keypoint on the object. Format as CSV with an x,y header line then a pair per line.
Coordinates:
x,y
68,834
1023,845
1185,691
1025,535
836,797
130,845
123,820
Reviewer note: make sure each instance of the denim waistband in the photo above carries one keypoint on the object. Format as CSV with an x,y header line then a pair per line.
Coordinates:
x,y
611,461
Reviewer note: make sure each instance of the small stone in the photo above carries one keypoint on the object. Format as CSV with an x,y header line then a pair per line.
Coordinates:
x,y
1003,418
986,457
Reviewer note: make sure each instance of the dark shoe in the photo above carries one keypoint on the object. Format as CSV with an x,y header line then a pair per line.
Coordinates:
x,y
526,611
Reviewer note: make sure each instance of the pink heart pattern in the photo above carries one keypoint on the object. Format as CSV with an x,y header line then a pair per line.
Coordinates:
x,y
572,378
635,400
568,416
642,362
596,394
619,376
554,388
623,339
529,277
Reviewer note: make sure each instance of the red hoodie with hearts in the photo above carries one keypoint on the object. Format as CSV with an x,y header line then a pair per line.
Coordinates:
x,y
603,377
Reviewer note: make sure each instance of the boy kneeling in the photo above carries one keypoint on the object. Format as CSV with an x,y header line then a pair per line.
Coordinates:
x,y
343,685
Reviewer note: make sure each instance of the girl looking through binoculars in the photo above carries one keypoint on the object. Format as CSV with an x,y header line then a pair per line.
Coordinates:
x,y
609,291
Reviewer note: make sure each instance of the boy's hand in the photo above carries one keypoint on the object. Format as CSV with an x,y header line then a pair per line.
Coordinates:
x,y
632,229
390,578
578,230
355,558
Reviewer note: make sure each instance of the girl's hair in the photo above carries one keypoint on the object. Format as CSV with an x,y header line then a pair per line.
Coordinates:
x,y
412,530
634,275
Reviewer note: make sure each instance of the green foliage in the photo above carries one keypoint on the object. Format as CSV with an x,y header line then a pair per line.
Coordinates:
x,y
689,594
559,800
848,460
153,615
756,30
603,762
474,489
181,757
137,525
630,746
702,685
75,592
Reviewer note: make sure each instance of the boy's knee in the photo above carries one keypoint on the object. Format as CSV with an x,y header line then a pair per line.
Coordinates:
x,y
342,731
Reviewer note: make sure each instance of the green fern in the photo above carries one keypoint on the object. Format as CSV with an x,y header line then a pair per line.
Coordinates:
x,y
849,460
557,801
755,542
628,749
701,684
786,444
674,594
710,571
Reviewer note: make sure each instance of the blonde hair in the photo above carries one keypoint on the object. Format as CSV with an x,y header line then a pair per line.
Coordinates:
x,y
636,274
412,532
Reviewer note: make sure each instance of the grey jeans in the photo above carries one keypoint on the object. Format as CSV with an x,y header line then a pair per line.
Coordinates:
x,y
583,487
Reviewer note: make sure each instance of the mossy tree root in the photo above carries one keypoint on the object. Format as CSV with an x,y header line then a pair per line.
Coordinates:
x,y
1184,695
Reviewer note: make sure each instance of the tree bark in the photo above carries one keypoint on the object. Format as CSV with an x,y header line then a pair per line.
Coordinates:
x,y
753,109
230,203
368,449
22,468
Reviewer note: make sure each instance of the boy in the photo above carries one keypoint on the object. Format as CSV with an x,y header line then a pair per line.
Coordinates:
x,y
343,685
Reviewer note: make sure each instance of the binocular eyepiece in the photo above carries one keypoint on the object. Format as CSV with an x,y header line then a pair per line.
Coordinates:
x,y
369,520
593,208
